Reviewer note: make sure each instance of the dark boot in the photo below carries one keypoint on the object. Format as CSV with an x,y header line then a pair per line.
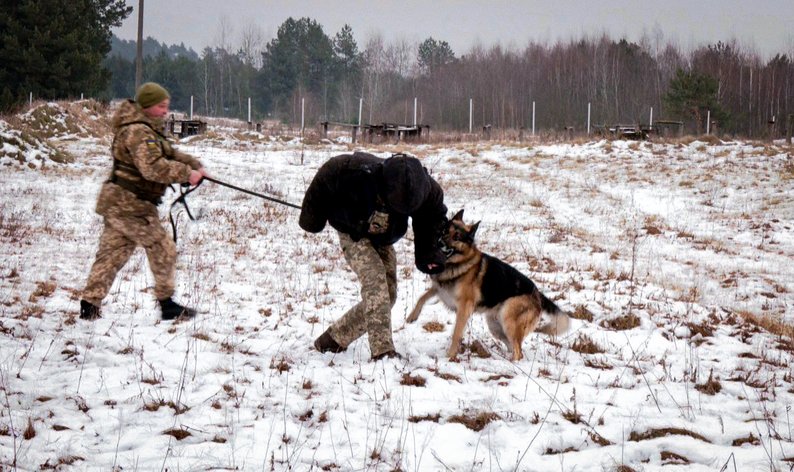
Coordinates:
x,y
325,343
172,310
391,354
89,311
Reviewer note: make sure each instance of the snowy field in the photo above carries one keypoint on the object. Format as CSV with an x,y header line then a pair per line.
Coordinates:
x,y
663,252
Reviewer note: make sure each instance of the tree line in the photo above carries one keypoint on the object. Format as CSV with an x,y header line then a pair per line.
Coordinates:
x,y
620,80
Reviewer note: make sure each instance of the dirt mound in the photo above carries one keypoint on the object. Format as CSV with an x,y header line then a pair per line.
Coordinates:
x,y
66,120
25,149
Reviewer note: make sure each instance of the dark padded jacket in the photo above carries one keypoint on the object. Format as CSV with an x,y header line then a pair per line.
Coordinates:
x,y
349,188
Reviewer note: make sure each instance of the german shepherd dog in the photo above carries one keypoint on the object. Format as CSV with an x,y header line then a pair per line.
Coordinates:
x,y
475,281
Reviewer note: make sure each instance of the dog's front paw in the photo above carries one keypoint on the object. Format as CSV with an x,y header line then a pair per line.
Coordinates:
x,y
452,353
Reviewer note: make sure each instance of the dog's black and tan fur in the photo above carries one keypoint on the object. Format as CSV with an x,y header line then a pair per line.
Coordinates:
x,y
475,281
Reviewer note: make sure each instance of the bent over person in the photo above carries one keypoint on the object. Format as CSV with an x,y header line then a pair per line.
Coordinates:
x,y
368,200
144,165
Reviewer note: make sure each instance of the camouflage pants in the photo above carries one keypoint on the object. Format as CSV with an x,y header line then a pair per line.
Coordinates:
x,y
120,237
376,268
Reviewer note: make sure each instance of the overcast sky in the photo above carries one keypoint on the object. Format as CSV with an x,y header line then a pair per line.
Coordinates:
x,y
766,26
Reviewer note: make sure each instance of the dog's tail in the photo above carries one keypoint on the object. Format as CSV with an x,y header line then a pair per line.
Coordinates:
x,y
558,321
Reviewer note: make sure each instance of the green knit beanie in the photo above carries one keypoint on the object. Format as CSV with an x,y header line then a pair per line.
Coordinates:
x,y
150,94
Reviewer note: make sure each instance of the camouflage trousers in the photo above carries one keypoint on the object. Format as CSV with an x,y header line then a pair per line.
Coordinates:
x,y
376,268
120,237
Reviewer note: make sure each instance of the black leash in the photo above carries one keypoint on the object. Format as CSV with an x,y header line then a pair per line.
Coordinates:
x,y
184,193
249,192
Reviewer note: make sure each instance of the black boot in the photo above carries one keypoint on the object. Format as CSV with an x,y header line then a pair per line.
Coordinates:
x,y
325,343
391,354
89,311
172,310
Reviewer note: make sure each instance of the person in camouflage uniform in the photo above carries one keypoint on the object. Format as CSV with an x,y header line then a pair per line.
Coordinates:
x,y
368,200
144,165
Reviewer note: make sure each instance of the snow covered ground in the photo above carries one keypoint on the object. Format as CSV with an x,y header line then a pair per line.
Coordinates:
x,y
662,251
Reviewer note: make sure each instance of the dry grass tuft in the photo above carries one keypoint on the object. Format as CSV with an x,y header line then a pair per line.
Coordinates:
x,y
750,439
584,345
30,431
573,416
416,419
281,365
622,323
433,327
673,458
655,433
475,421
711,387
413,380
624,468
599,364
479,350
60,463
178,434
307,415
598,439
704,329
446,376
582,313
43,289
495,377
769,323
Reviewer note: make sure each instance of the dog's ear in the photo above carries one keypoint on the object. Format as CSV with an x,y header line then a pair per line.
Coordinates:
x,y
458,216
473,230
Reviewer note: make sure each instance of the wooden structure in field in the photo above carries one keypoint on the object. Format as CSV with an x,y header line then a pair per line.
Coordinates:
x,y
624,131
185,128
668,128
398,132
662,128
380,132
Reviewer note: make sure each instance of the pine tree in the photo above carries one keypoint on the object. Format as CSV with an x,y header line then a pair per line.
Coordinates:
x,y
692,95
300,57
54,48
433,54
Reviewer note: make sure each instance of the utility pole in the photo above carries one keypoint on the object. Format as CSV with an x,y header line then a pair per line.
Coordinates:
x,y
139,48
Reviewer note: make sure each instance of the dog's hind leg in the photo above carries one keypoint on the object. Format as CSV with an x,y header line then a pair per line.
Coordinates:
x,y
420,303
496,329
519,317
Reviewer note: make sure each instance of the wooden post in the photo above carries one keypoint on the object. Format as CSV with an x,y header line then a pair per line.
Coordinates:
x,y
471,105
708,122
353,133
139,48
533,118
588,119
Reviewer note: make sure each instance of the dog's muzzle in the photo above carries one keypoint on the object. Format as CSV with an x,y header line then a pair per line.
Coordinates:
x,y
445,249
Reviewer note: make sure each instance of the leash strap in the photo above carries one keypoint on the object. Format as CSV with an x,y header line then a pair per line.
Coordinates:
x,y
183,200
184,193
249,192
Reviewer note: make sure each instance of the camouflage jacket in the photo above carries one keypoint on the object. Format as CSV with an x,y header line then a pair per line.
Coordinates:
x,y
144,164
